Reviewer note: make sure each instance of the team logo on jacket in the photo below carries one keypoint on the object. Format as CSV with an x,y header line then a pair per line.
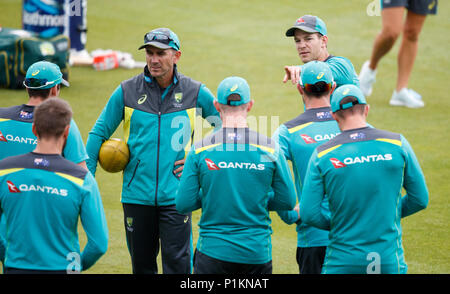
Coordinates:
x,y
308,139
211,165
2,138
178,98
337,163
12,188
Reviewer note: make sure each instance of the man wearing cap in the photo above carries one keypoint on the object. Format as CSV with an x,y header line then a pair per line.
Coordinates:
x,y
158,109
234,168
42,80
311,40
363,171
42,195
298,138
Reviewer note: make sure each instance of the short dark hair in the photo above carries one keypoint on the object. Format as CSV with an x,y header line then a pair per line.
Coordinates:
x,y
356,108
40,93
51,117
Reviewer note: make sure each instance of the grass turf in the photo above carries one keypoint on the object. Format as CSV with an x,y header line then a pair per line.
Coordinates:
x,y
246,38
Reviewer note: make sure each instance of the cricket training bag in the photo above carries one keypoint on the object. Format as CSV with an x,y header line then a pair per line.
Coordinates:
x,y
19,49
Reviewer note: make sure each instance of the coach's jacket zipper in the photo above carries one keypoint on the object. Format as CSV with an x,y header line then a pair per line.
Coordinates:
x,y
157,157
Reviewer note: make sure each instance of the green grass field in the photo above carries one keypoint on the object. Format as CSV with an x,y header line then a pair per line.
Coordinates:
x,y
246,38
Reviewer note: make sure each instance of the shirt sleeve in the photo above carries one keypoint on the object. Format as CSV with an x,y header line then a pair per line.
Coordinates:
x,y
284,197
188,197
343,71
205,102
281,137
104,127
313,194
416,197
93,220
75,150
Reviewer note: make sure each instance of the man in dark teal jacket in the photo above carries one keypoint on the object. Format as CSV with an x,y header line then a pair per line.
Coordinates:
x,y
158,109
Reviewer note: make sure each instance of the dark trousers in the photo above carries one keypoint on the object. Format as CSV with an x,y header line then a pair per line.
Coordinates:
x,y
204,264
146,226
310,259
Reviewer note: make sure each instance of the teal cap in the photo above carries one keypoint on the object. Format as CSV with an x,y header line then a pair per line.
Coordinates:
x,y
233,85
314,72
162,38
309,24
43,75
343,92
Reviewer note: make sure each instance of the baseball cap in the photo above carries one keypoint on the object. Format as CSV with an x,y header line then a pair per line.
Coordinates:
x,y
343,92
309,24
44,75
162,38
314,72
233,85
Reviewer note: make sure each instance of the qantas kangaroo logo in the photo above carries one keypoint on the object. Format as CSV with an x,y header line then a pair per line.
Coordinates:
x,y
336,163
2,138
12,188
211,165
308,139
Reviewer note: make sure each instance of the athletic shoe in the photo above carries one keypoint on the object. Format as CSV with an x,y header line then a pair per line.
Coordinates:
x,y
414,94
404,98
366,78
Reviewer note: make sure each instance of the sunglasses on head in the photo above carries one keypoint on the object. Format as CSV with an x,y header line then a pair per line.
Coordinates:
x,y
320,87
160,37
34,83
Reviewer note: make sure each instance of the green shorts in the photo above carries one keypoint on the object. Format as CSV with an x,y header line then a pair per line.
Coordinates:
x,y
422,7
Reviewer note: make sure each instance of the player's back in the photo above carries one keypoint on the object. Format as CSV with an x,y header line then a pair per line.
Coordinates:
x,y
363,176
16,135
236,171
41,197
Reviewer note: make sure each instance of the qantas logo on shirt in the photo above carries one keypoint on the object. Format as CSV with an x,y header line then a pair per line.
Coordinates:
x,y
308,139
17,139
36,188
336,163
317,138
234,165
12,188
2,138
211,165
360,160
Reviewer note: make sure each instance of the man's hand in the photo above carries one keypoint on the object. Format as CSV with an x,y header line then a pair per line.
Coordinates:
x,y
178,171
297,208
292,73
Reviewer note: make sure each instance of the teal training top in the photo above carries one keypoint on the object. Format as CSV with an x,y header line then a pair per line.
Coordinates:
x,y
228,175
362,171
298,138
41,198
343,70
16,136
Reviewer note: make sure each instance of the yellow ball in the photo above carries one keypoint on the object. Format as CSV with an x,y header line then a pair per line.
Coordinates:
x,y
114,155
